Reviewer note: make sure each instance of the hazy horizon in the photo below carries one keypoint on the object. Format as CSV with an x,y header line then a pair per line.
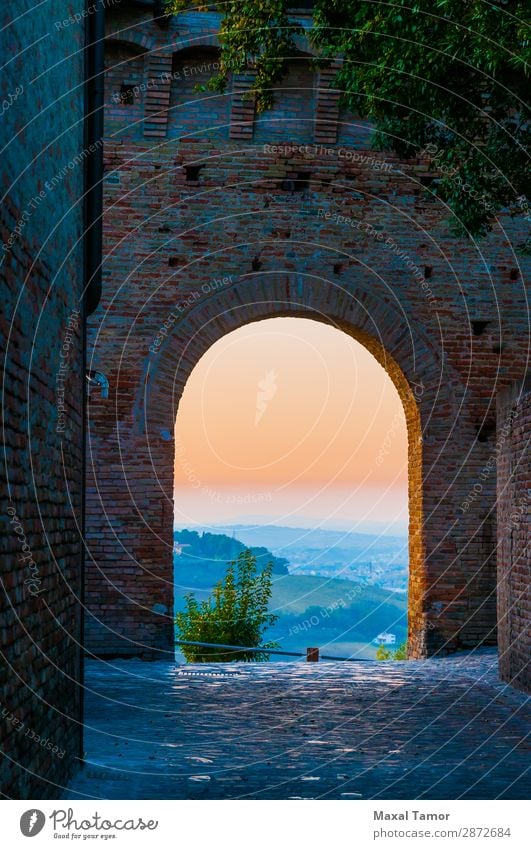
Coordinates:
x,y
291,422
257,522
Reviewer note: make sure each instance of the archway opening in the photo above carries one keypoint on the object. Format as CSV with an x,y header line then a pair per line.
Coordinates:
x,y
292,439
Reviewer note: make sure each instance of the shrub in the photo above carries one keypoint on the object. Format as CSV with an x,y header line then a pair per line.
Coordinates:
x,y
400,653
236,613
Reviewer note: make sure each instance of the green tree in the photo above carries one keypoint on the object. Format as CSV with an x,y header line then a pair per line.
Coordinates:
x,y
236,614
444,77
400,653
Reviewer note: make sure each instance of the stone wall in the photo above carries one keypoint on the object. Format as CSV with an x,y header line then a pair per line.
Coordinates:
x,y
205,234
41,271
514,533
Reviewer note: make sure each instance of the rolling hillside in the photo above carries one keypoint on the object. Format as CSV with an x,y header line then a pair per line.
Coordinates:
x,y
339,616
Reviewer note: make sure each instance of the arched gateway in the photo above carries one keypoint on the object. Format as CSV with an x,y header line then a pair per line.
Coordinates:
x,y
208,227
138,458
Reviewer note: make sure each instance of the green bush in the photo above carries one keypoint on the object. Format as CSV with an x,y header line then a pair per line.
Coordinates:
x,y
400,653
234,614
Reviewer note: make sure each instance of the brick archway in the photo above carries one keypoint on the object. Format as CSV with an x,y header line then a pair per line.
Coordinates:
x,y
202,238
135,616
167,373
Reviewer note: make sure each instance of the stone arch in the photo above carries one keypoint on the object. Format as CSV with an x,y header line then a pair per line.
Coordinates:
x,y
133,37
203,40
409,362
224,305
452,586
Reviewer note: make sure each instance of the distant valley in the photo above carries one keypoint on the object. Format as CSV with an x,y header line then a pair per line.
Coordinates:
x,y
380,559
331,589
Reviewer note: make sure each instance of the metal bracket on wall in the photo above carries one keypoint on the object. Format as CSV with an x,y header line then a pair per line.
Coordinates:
x,y
97,378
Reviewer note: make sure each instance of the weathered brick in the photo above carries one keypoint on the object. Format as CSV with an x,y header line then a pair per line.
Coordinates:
x,y
271,186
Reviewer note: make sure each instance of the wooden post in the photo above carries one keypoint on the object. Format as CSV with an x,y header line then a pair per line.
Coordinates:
x,y
312,655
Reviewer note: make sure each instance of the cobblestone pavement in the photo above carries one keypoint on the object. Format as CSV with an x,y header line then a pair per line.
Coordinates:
x,y
438,729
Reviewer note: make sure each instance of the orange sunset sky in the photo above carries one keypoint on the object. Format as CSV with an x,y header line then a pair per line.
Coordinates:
x,y
290,421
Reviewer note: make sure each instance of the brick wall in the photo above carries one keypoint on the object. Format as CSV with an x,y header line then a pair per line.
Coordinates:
x,y
188,106
514,533
292,114
265,228
124,90
40,324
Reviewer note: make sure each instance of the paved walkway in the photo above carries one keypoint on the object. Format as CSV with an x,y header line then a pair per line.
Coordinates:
x,y
439,729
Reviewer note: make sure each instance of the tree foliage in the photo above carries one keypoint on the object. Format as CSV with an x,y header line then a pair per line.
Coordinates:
x,y
236,614
400,653
447,78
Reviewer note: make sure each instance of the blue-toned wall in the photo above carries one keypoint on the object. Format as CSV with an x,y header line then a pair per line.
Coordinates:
x,y
41,275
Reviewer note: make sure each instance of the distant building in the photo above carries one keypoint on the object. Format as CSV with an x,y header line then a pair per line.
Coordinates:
x,y
178,547
385,639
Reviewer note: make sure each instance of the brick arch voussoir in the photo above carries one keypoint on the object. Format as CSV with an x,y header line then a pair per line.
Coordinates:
x,y
403,351
358,314
132,39
205,41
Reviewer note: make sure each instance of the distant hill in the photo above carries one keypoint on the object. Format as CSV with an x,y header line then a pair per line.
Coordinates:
x,y
203,558
338,616
278,536
297,593
378,559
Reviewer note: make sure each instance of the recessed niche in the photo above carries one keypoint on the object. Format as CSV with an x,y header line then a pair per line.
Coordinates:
x,y
299,182
479,325
127,94
194,110
192,172
486,430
